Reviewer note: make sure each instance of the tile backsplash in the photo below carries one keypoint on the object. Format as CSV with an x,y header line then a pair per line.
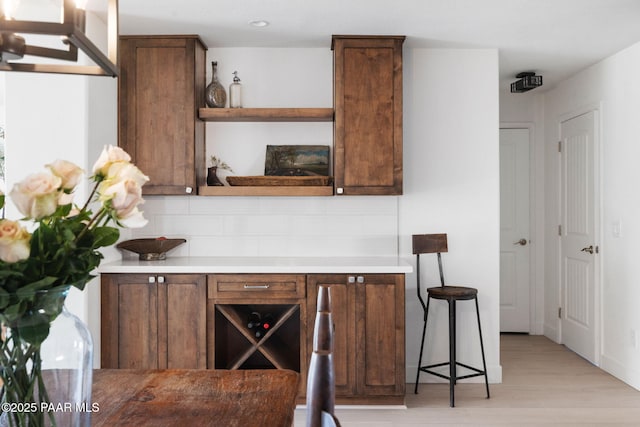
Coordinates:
x,y
275,226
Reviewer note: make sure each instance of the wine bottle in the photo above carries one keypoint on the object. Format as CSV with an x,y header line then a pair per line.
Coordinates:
x,y
254,320
267,322
259,333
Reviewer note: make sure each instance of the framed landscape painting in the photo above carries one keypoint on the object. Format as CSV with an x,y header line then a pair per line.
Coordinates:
x,y
297,160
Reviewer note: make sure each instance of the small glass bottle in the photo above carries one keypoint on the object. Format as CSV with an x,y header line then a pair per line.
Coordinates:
x,y
235,92
215,94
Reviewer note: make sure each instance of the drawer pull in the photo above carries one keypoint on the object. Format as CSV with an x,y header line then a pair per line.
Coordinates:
x,y
256,286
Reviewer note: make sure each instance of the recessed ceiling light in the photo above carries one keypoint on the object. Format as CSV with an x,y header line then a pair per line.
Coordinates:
x,y
259,23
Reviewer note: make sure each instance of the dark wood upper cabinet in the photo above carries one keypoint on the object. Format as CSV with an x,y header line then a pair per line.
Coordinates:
x,y
160,89
368,114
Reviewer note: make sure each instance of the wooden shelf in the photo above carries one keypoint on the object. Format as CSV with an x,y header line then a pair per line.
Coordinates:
x,y
303,190
266,114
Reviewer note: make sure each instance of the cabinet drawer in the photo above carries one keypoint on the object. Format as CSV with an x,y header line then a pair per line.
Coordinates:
x,y
262,286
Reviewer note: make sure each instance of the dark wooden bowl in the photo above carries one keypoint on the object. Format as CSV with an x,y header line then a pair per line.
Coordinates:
x,y
151,249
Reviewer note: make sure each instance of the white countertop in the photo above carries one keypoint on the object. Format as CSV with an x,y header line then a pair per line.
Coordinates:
x,y
341,265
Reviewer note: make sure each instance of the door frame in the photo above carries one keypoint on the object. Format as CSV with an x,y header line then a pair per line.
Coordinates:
x,y
536,239
596,108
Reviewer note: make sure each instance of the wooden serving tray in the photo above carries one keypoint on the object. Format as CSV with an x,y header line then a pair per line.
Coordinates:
x,y
263,181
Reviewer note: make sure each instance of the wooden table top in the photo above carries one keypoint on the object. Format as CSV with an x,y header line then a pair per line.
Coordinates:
x,y
174,397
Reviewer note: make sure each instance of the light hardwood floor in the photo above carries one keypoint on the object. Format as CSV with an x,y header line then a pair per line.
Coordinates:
x,y
544,384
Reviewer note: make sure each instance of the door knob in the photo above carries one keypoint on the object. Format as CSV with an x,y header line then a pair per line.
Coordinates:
x,y
521,242
587,249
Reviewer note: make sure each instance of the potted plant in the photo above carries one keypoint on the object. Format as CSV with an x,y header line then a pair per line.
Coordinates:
x,y
214,164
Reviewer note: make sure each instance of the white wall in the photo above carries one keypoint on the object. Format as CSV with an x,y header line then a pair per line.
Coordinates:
x,y
610,86
451,174
40,130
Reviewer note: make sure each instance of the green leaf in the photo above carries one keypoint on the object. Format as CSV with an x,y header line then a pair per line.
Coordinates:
x,y
33,328
63,210
105,236
28,292
14,311
4,298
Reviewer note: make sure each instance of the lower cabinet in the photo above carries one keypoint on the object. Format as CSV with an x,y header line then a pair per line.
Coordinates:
x,y
153,321
369,335
199,321
257,321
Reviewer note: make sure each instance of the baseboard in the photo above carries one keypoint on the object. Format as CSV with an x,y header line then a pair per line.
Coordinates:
x,y
552,333
537,329
618,370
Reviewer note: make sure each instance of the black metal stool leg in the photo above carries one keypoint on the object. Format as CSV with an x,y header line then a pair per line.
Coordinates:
x,y
424,331
484,363
452,351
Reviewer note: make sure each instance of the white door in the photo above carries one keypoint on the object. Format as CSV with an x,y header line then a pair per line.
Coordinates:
x,y
578,240
514,231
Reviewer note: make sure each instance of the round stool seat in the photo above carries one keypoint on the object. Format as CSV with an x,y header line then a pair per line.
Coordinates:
x,y
452,292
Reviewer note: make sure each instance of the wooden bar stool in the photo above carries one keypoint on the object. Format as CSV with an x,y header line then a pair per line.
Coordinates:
x,y
437,243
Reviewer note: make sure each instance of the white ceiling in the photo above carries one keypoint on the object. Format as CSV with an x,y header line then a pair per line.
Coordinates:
x,y
555,38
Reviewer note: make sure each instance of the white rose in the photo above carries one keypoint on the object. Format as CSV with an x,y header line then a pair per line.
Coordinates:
x,y
69,173
134,219
122,171
123,198
37,195
14,241
110,154
64,198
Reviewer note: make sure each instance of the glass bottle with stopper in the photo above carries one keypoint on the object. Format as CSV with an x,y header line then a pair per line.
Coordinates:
x,y
235,92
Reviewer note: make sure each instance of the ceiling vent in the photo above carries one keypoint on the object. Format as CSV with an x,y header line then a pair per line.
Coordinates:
x,y
528,80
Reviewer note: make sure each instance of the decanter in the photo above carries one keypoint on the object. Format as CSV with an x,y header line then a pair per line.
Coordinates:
x,y
216,96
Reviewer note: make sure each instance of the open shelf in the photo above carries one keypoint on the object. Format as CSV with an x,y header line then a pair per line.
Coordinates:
x,y
266,114
238,348
303,190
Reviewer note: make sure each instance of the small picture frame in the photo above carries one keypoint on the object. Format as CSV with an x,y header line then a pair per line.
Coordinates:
x,y
297,160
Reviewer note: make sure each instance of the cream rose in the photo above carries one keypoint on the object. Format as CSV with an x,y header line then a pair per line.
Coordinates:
x,y
123,171
37,195
110,154
14,241
123,198
69,173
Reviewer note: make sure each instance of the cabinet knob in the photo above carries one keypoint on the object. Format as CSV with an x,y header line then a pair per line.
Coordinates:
x,y
339,190
152,279
188,190
352,279
360,279
160,279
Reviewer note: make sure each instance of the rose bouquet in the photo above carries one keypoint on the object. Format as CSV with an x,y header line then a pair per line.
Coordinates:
x,y
54,247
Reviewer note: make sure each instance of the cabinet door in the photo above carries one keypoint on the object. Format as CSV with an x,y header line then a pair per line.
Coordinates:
x,y
342,300
152,325
368,114
161,86
129,322
182,323
380,341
